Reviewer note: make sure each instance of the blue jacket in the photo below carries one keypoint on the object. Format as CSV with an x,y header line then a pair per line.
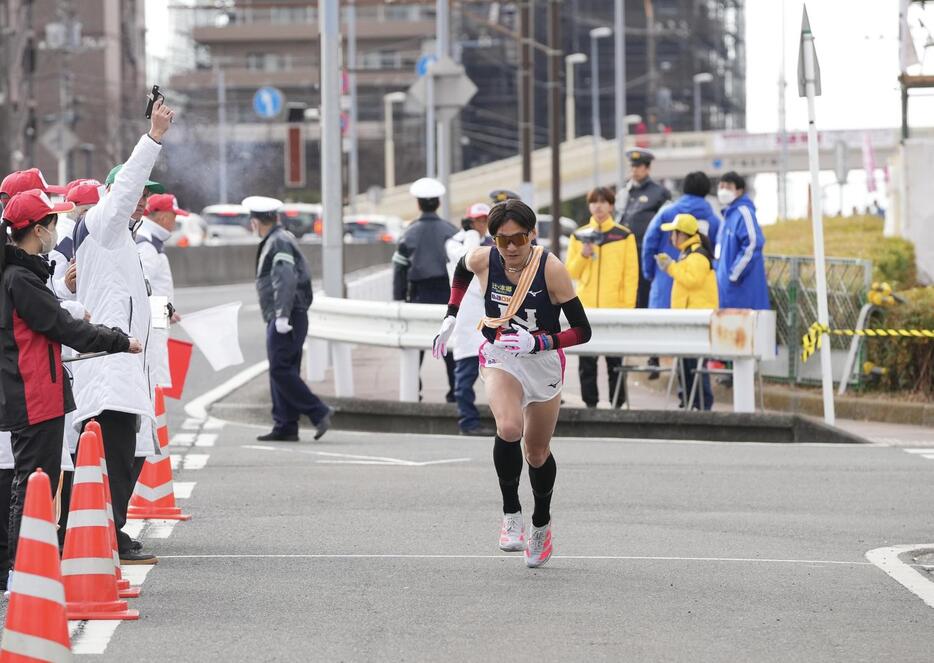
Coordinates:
x,y
740,262
657,241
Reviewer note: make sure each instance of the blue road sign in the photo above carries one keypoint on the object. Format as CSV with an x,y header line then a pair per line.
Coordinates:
x,y
267,102
425,61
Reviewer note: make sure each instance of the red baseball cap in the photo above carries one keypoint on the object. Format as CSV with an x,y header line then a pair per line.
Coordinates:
x,y
478,211
30,207
25,180
84,192
163,202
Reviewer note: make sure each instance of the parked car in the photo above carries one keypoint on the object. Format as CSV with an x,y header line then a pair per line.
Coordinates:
x,y
301,218
191,230
543,228
372,228
228,223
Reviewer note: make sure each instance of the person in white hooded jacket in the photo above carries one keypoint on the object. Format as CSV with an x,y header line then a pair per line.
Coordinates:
x,y
466,339
117,391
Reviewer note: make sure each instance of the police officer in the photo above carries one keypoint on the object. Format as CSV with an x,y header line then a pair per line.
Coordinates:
x,y
644,197
283,282
420,273
502,195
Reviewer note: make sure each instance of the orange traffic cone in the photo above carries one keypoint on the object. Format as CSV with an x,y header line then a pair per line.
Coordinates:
x,y
88,563
124,589
36,627
154,494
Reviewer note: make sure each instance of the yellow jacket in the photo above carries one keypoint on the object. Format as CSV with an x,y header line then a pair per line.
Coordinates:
x,y
695,281
610,278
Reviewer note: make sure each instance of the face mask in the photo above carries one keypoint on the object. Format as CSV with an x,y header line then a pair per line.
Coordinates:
x,y
726,196
52,240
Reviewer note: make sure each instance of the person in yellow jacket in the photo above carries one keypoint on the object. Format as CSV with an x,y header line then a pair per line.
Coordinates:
x,y
695,286
603,259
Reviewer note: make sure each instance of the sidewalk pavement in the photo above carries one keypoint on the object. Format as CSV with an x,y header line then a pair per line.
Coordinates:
x,y
376,376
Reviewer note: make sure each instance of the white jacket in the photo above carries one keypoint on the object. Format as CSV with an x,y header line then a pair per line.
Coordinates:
x,y
111,285
466,338
149,240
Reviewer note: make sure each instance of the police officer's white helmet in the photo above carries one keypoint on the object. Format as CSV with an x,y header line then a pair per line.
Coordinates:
x,y
261,204
427,187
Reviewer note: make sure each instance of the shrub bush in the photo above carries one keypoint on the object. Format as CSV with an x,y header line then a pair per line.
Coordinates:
x,y
910,362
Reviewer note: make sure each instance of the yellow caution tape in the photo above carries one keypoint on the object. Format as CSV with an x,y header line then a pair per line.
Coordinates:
x,y
811,342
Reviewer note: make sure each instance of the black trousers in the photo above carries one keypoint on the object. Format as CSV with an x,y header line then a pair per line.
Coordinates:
x,y
433,291
6,489
39,445
119,431
291,397
587,370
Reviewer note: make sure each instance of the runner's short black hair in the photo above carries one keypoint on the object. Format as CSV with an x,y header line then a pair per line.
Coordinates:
x,y
696,184
514,210
735,179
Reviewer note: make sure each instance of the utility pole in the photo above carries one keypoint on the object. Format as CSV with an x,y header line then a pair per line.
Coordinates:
x,y
221,132
354,165
554,119
66,16
443,20
652,78
621,124
782,132
526,90
332,253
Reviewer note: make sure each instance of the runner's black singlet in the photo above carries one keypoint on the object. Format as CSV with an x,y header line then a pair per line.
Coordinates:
x,y
537,314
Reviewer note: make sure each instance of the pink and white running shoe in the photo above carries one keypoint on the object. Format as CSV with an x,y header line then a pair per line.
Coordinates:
x,y
512,534
539,549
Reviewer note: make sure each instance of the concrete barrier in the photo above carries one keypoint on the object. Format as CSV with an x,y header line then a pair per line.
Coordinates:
x,y
236,263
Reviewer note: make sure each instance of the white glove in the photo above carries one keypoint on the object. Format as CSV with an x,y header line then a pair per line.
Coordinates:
x,y
439,346
283,326
663,260
519,342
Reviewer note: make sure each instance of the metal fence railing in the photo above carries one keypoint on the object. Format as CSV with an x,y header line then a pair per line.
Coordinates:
x,y
793,293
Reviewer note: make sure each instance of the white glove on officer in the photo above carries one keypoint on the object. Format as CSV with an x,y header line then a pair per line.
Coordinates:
x,y
283,326
663,260
439,347
519,342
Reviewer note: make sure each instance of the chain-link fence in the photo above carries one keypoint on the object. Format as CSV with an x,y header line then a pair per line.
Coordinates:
x,y
793,292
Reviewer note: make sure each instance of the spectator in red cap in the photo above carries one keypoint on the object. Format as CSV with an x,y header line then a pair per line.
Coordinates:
x,y
84,194
157,226
34,389
26,180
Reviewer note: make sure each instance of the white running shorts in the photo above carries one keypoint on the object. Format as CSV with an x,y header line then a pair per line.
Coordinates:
x,y
541,375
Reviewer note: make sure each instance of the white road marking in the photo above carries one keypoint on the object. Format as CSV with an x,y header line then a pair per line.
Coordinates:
x,y
623,558
356,459
182,440
195,461
198,408
921,450
928,456
904,574
183,489
136,573
160,529
92,637
206,440
214,424
192,424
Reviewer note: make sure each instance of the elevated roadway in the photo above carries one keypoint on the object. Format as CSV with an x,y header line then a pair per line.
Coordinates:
x,y
714,152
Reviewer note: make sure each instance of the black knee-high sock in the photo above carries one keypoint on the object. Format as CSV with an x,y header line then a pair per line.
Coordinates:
x,y
507,458
543,484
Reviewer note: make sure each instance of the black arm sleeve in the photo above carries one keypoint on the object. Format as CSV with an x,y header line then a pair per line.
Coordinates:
x,y
43,314
579,332
459,284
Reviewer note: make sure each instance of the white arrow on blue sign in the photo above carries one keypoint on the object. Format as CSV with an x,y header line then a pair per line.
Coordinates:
x,y
425,61
268,102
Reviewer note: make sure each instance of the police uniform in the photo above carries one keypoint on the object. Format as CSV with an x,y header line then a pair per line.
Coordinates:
x,y
642,204
283,283
420,270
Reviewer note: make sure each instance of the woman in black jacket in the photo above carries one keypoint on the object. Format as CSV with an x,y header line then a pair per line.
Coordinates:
x,y
35,391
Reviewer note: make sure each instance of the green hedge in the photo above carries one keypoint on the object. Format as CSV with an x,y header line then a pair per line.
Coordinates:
x,y
909,362
893,258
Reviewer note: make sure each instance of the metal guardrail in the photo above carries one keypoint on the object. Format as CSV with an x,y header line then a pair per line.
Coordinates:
x,y
743,336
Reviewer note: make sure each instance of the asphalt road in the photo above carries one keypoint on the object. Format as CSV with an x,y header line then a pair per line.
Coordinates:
x,y
383,547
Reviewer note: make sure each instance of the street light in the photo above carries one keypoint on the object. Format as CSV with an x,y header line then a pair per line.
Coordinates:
x,y
699,79
389,144
595,35
569,105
